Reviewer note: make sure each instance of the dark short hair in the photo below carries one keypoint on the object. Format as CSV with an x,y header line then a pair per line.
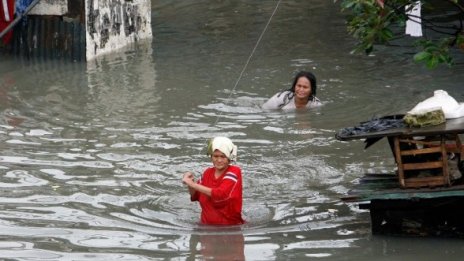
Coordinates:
x,y
312,80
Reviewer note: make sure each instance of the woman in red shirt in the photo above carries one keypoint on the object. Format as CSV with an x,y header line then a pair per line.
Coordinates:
x,y
219,190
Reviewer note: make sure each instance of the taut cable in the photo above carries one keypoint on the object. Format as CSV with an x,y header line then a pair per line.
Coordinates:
x,y
250,56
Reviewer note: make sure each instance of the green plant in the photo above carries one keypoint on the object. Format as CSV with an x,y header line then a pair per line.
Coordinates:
x,y
374,22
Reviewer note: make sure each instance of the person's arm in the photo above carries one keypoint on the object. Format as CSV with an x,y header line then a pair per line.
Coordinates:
x,y
315,102
189,180
277,101
224,192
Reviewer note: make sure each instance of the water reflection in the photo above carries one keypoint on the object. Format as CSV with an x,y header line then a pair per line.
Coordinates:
x,y
217,246
118,88
7,99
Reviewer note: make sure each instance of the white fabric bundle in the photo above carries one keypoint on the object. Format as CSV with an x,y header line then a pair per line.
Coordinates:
x,y
224,145
440,99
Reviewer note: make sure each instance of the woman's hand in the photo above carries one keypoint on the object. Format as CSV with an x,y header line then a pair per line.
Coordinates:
x,y
188,178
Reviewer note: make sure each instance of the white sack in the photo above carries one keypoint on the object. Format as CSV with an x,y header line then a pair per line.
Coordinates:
x,y
440,99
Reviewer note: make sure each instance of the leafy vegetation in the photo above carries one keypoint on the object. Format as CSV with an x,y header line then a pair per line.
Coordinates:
x,y
374,22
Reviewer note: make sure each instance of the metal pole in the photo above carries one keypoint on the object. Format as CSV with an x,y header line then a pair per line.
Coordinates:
x,y
18,18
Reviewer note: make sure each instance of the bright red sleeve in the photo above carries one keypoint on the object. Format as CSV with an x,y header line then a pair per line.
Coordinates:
x,y
227,188
194,197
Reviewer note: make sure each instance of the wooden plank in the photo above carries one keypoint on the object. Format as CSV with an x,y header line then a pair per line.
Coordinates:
x,y
425,182
398,159
391,190
386,178
420,142
420,190
444,159
423,165
421,151
406,193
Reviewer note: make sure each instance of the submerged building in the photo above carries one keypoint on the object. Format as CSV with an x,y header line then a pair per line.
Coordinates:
x,y
76,30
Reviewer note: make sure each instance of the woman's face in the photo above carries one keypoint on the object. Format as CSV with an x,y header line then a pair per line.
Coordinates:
x,y
303,88
220,161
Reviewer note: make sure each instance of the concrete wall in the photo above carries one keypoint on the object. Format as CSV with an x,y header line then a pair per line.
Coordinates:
x,y
112,24
82,29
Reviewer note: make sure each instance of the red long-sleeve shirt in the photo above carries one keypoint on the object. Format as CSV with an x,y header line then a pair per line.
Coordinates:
x,y
224,207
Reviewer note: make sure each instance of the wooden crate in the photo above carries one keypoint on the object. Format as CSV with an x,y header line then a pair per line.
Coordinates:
x,y
417,155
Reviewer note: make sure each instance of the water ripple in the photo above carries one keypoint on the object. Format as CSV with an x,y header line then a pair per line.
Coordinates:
x,y
28,161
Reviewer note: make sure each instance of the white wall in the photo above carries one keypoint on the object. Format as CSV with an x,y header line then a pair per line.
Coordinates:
x,y
112,24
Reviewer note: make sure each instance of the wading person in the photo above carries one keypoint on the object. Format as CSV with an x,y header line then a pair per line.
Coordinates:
x,y
301,95
219,190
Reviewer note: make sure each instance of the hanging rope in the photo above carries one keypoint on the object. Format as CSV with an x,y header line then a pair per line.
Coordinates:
x,y
250,56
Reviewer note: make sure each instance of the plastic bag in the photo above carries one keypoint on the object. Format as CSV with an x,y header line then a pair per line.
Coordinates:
x,y
440,99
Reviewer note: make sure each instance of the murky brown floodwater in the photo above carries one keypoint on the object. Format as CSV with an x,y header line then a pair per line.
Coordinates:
x,y
92,154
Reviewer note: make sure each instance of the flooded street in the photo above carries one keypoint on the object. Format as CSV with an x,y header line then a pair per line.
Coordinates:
x,y
93,153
